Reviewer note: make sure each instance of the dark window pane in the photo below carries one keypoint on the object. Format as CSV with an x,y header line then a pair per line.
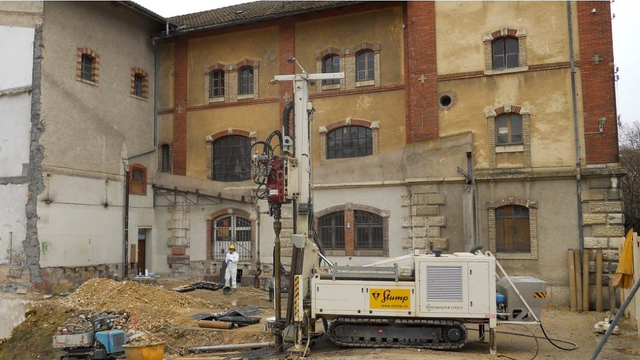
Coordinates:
x,y
511,46
216,84
231,160
331,229
137,175
331,64
138,80
368,228
86,70
512,60
365,66
245,79
349,141
498,47
166,158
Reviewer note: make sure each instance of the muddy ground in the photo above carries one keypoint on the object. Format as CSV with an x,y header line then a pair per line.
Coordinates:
x,y
165,316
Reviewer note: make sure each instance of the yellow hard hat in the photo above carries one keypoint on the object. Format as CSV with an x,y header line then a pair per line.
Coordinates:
x,y
232,247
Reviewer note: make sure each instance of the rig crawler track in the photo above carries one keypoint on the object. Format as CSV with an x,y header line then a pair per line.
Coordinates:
x,y
440,334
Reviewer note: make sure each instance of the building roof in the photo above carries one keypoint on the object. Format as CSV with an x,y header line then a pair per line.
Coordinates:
x,y
251,12
143,10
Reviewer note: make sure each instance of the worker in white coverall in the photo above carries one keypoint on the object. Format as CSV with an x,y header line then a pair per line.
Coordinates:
x,y
232,267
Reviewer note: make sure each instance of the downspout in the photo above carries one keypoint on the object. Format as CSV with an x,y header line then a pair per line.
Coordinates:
x,y
575,128
125,161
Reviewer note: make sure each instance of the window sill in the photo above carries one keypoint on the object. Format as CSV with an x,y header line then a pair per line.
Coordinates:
x,y
515,256
139,97
507,71
365,83
331,87
88,82
335,253
218,99
245,96
368,253
509,148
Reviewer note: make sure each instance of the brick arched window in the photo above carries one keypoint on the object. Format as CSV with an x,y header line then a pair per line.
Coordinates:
x,y
137,179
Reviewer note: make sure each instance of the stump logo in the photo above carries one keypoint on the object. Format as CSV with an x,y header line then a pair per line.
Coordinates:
x,y
390,299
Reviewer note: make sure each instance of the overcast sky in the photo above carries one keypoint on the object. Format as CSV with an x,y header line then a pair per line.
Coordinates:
x,y
626,32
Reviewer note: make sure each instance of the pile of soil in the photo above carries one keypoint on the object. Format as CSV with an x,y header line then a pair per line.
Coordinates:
x,y
163,314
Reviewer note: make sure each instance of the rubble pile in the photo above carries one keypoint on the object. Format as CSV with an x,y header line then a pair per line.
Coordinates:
x,y
149,306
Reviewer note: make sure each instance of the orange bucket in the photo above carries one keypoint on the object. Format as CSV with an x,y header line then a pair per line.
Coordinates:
x,y
154,351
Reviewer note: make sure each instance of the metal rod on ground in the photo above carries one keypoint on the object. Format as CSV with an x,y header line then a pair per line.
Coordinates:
x,y
277,296
10,248
230,347
585,279
572,280
599,280
612,325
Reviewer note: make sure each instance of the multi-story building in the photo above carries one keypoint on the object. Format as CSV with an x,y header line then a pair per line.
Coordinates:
x,y
456,124
80,109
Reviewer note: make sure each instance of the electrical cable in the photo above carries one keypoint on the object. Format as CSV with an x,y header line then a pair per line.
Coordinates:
x,y
525,335
575,346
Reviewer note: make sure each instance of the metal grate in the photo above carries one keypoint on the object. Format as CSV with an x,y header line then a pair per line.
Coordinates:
x,y
231,230
444,283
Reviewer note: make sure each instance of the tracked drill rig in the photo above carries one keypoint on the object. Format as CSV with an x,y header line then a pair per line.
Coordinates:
x,y
423,300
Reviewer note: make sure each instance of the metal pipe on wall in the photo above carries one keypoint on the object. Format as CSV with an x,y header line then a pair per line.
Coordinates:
x,y
576,133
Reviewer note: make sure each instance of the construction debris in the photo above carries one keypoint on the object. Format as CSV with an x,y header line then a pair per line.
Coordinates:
x,y
204,285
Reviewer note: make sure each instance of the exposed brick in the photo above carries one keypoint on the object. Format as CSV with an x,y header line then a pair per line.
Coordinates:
x,y
598,86
178,259
421,97
179,153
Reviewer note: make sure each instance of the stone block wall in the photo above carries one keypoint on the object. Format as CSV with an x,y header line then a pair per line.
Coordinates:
x,y
603,220
424,220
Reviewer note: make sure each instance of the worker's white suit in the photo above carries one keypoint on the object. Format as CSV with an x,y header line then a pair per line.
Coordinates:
x,y
232,268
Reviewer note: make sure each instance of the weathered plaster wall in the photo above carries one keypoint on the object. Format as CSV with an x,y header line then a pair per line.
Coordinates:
x,y
557,221
26,14
383,27
464,23
15,139
113,123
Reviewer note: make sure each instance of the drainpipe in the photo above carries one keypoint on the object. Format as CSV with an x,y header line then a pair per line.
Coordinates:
x,y
125,261
125,161
575,128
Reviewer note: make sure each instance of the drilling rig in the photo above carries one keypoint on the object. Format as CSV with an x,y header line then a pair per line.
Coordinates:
x,y
421,300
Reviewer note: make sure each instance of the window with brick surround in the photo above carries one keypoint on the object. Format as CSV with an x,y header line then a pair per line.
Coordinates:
x,y
513,228
137,179
216,84
139,83
509,129
353,229
331,64
365,69
505,51
87,66
245,80
508,133
165,158
349,141
231,159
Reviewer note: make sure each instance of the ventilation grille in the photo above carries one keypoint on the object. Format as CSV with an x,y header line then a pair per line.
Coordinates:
x,y
444,283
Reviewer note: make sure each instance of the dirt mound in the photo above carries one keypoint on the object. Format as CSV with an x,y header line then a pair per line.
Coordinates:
x,y
152,307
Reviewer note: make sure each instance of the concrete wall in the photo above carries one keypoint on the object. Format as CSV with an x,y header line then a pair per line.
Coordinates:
x,y
15,105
